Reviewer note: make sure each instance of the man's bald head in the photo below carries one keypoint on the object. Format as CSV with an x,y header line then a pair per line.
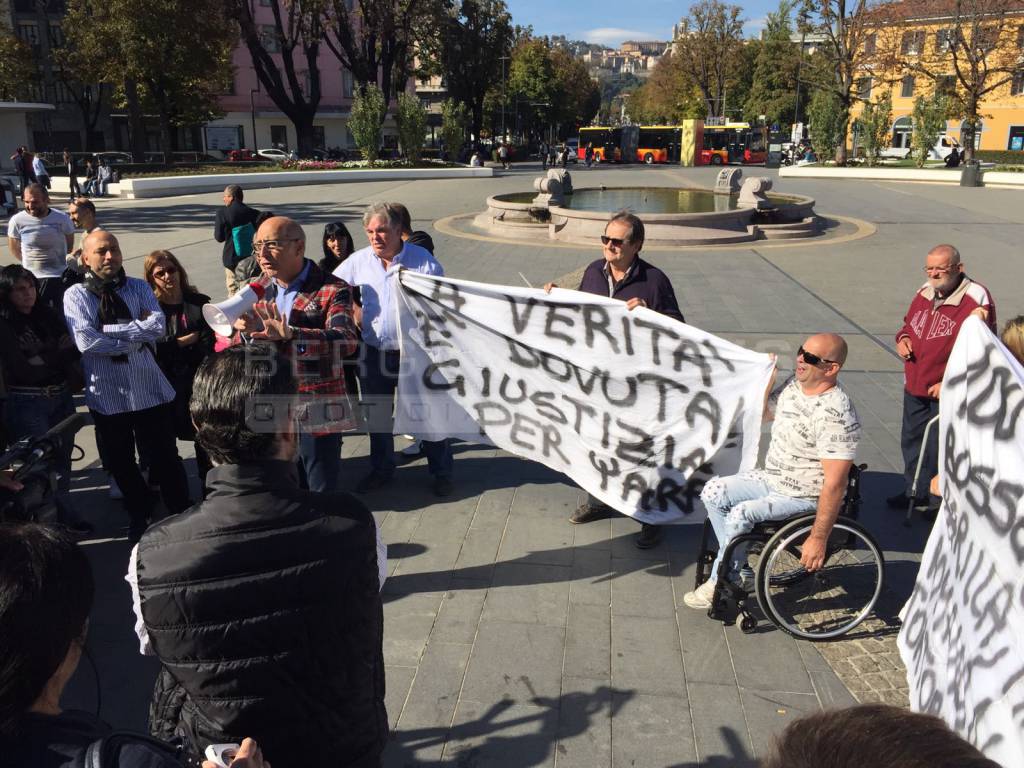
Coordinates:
x,y
280,248
835,344
101,253
946,251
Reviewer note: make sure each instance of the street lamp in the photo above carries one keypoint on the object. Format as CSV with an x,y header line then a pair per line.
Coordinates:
x,y
802,21
252,112
503,60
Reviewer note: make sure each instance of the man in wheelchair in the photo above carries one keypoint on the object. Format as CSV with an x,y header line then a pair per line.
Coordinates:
x,y
813,444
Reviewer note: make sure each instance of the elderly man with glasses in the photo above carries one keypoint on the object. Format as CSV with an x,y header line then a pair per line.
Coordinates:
x,y
622,274
925,342
309,315
813,445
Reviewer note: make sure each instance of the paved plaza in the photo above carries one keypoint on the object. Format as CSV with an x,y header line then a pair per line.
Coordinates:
x,y
513,638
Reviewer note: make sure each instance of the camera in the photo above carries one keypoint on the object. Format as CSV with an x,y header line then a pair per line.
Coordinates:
x,y
32,462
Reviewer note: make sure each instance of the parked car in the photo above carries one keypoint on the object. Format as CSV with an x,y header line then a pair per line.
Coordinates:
x,y
277,155
236,155
943,146
113,158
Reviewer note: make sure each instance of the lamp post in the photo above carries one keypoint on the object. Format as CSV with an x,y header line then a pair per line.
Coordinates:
x,y
503,60
252,112
802,21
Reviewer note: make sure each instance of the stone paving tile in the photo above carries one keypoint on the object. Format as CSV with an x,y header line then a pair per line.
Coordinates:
x,y
584,723
528,593
651,730
645,655
517,661
591,577
435,691
719,724
768,712
641,589
588,642
767,660
503,734
459,614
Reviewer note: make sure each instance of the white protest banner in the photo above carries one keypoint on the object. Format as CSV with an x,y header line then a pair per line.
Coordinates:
x,y
962,639
637,408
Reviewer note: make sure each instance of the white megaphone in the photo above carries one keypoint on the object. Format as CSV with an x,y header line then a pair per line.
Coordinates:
x,y
221,317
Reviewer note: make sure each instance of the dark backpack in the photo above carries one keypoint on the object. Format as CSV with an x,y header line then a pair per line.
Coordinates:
x,y
106,752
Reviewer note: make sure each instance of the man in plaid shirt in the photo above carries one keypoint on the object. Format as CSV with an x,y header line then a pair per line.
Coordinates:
x,y
309,314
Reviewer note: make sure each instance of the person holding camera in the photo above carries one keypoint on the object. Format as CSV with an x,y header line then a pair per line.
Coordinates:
x,y
46,594
39,364
264,598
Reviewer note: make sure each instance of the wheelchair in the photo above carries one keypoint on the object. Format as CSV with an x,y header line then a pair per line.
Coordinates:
x,y
813,606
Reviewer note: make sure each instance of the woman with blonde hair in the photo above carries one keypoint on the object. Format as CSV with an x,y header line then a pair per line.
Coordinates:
x,y
187,342
1013,337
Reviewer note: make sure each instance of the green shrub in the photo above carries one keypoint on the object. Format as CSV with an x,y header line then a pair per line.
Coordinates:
x,y
1003,156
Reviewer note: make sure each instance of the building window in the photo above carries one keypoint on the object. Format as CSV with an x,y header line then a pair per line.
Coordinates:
x,y
864,88
266,3
319,139
56,35
907,89
944,40
346,84
986,37
911,43
28,31
1020,37
869,44
945,85
271,40
279,135
1017,84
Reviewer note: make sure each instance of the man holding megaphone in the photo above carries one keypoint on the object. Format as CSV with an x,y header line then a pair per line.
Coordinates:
x,y
309,315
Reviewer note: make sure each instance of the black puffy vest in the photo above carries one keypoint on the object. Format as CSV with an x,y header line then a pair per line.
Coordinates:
x,y
263,605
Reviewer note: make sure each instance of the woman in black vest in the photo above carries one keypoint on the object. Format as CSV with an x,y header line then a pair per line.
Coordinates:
x,y
187,342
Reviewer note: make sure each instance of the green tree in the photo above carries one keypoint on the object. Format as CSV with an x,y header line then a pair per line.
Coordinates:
x,y
138,49
827,119
454,120
412,126
873,125
467,50
668,96
710,50
15,64
929,121
366,119
772,91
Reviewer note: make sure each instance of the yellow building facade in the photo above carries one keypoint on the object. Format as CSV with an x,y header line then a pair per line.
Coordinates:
x,y
908,53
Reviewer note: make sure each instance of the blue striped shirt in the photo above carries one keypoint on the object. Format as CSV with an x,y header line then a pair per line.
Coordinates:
x,y
119,385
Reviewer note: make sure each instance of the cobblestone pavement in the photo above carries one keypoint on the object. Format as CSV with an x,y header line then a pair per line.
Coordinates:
x,y
514,638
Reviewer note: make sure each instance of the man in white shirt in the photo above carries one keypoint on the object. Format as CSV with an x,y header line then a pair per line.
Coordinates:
x,y
368,269
40,237
813,445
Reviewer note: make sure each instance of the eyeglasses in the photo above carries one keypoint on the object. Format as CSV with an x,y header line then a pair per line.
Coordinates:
x,y
940,270
165,272
274,246
615,242
813,359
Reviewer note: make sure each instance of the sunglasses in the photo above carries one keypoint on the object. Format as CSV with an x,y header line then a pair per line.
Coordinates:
x,y
165,272
616,242
813,359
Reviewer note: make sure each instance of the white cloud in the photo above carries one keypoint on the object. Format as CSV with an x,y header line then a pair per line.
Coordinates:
x,y
614,36
753,27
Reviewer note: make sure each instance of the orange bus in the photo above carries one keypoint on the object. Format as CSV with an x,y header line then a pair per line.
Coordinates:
x,y
659,144
732,143
610,145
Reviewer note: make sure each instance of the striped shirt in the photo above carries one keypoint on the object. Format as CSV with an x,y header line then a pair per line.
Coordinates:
x,y
121,373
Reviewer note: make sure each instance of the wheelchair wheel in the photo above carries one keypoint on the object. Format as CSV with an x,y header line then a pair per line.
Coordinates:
x,y
829,602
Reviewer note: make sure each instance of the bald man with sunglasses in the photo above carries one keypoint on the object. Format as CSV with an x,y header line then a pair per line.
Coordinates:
x,y
622,274
813,445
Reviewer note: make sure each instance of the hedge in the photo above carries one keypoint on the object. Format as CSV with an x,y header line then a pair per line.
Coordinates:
x,y
1005,157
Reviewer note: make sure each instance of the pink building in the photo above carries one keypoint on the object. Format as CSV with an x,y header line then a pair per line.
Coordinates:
x,y
248,109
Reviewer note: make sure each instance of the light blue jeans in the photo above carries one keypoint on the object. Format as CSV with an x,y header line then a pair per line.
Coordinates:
x,y
736,503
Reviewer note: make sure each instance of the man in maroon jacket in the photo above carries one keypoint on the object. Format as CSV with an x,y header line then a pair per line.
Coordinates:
x,y
622,274
925,341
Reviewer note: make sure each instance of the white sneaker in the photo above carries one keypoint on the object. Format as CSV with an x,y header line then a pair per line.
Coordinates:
x,y
746,580
700,598
115,491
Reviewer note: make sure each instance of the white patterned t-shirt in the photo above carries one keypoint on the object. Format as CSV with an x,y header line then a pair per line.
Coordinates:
x,y
807,429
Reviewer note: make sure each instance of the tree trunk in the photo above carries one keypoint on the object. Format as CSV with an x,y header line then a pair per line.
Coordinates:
x,y
304,134
136,127
967,135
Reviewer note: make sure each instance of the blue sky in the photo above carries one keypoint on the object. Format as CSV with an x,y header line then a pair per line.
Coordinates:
x,y
609,22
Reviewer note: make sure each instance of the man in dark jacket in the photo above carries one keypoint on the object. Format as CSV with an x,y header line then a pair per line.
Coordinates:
x,y
262,602
622,274
235,227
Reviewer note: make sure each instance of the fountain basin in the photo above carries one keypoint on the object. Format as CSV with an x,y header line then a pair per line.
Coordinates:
x,y
672,216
